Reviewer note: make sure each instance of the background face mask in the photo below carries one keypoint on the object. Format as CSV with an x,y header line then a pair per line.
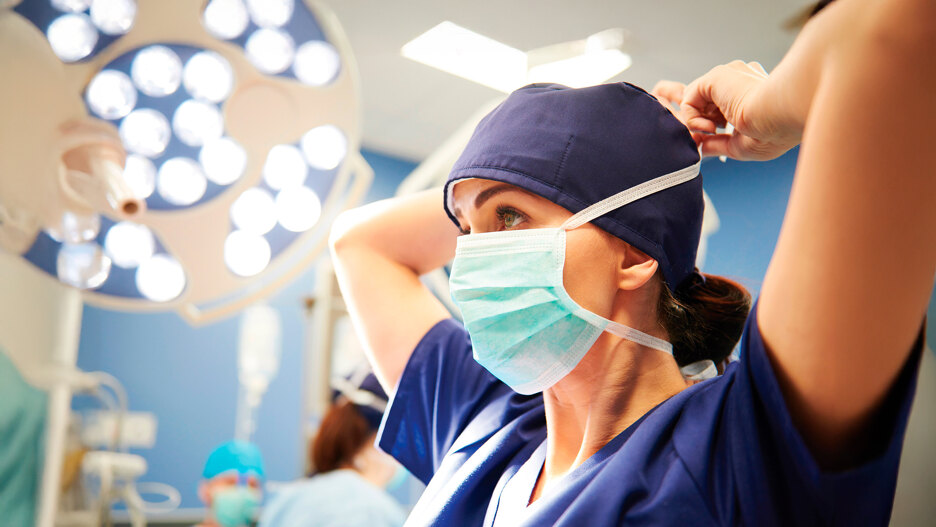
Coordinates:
x,y
235,506
525,328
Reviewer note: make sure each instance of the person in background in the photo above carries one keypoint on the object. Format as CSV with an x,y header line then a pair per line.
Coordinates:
x,y
349,479
22,427
232,485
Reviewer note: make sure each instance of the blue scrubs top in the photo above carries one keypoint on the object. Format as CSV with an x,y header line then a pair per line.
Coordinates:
x,y
722,452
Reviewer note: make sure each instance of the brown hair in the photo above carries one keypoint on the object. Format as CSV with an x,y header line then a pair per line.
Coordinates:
x,y
704,318
342,434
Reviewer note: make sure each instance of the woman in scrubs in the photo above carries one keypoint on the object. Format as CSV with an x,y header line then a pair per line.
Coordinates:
x,y
560,401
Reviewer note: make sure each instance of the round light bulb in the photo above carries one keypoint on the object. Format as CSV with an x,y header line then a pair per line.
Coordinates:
x,y
246,254
140,175
71,6
75,228
157,71
270,50
298,209
129,244
114,17
226,19
145,132
284,167
196,122
270,13
111,94
208,77
72,36
84,266
160,278
181,181
317,63
254,212
223,160
325,147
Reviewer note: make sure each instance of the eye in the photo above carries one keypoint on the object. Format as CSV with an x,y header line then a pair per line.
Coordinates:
x,y
510,217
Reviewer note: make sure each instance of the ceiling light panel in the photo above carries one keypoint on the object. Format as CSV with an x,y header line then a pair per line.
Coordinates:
x,y
462,52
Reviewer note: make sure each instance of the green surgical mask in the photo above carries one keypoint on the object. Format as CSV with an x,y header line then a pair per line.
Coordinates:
x,y
235,506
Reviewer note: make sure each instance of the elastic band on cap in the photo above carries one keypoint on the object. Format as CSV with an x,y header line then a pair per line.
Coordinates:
x,y
631,195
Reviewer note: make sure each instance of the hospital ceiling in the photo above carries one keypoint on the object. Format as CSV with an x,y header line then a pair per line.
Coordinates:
x,y
410,108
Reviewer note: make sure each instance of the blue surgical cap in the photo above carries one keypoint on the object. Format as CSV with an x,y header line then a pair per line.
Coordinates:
x,y
240,456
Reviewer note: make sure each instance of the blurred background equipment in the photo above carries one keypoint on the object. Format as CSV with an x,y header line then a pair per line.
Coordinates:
x,y
258,358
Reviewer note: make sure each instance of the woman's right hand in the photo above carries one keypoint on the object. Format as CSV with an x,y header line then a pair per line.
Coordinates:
x,y
735,94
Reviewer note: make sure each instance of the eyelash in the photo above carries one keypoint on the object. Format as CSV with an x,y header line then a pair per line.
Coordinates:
x,y
501,212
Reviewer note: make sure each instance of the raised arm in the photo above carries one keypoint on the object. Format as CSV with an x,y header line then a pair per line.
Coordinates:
x,y
380,250
847,287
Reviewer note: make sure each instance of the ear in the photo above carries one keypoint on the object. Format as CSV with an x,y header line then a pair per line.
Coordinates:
x,y
636,268
204,494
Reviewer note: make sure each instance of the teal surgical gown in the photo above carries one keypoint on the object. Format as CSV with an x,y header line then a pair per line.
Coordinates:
x,y
336,498
22,423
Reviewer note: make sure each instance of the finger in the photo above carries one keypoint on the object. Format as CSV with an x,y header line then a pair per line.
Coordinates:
x,y
670,91
713,145
701,123
697,96
700,110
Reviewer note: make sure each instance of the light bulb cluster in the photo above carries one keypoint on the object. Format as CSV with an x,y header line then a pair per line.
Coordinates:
x,y
284,198
163,98
166,101
86,259
269,46
80,24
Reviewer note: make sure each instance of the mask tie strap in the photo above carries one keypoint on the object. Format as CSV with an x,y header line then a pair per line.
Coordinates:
x,y
617,201
699,371
630,195
639,337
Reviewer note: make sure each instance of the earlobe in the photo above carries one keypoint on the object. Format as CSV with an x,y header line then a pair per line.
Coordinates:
x,y
636,269
203,493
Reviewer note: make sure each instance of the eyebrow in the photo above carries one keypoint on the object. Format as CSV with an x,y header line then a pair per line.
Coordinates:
x,y
490,192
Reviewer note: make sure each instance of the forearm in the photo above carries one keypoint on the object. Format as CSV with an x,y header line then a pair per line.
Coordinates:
x,y
412,231
379,251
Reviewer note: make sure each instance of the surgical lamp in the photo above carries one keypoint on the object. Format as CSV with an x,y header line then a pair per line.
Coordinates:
x,y
174,154
164,155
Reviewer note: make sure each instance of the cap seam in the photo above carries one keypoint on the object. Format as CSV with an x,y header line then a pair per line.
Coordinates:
x,y
562,160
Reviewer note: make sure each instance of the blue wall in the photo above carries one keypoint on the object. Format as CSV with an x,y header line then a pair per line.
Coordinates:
x,y
188,376
750,199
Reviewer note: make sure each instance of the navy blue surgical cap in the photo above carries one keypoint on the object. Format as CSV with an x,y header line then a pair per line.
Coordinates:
x,y
576,147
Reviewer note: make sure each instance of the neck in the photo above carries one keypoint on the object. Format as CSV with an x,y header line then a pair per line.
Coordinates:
x,y
614,385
